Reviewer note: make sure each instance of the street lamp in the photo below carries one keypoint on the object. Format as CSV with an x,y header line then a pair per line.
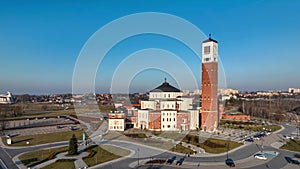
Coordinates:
x,y
227,147
262,145
138,149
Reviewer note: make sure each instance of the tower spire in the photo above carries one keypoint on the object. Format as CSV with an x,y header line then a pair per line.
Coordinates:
x,y
165,80
209,36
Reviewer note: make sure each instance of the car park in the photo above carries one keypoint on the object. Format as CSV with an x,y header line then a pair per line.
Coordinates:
x,y
260,157
229,162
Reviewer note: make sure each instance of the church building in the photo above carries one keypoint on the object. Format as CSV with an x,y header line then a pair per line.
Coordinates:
x,y
167,110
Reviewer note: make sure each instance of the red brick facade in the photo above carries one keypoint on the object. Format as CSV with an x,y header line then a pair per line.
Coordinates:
x,y
209,114
154,120
235,117
183,121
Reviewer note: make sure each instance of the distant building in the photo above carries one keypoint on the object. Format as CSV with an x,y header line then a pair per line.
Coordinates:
x,y
229,91
185,92
116,121
7,98
294,90
131,115
197,92
235,116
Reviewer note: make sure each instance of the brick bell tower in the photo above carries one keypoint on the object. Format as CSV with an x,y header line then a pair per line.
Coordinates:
x,y
209,113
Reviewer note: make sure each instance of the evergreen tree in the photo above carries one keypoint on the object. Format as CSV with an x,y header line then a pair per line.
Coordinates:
x,y
73,147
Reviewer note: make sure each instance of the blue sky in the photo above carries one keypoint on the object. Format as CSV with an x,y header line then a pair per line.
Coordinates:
x,y
41,40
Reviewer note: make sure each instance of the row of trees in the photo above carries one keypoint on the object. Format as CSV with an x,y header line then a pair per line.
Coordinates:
x,y
277,109
273,109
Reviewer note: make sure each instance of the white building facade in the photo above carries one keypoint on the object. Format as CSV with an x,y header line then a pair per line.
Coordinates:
x,y
7,98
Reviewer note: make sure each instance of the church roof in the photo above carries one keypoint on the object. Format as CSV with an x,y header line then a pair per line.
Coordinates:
x,y
165,87
210,40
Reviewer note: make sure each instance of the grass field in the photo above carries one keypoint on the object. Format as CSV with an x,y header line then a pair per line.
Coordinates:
x,y
258,128
211,145
42,114
103,154
44,138
35,157
65,164
170,135
97,155
292,145
248,125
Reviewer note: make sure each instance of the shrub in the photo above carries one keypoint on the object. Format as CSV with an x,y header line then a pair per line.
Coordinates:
x,y
30,160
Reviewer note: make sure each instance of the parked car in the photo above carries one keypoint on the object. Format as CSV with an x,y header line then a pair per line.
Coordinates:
x,y
288,137
260,157
180,161
229,162
292,160
250,140
297,155
171,160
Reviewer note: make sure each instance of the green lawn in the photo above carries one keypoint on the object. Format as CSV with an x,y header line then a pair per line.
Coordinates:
x,y
44,138
181,149
136,135
42,114
103,154
211,145
258,128
292,145
35,157
171,135
63,164
248,125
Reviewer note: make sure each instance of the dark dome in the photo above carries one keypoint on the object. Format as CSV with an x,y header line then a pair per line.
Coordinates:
x,y
165,87
209,40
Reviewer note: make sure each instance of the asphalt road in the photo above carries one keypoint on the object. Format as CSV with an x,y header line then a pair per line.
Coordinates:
x,y
6,160
288,129
245,152
143,152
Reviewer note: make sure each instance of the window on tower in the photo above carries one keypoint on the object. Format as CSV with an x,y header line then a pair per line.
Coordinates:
x,y
206,59
206,49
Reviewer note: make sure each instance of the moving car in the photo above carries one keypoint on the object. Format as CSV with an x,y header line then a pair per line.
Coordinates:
x,y
260,157
229,162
